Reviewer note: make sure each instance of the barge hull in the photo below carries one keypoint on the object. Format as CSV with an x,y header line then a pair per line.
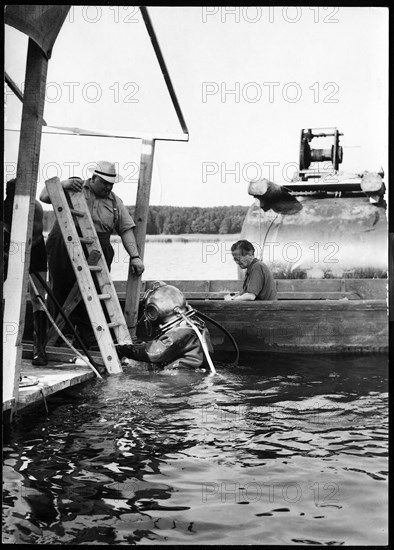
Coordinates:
x,y
310,316
302,326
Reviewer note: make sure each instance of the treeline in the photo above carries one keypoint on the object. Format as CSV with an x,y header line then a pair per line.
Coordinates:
x,y
174,220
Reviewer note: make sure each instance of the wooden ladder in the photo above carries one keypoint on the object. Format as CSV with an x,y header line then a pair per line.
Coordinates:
x,y
95,302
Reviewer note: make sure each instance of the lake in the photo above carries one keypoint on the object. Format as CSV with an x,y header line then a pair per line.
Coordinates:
x,y
182,257
282,450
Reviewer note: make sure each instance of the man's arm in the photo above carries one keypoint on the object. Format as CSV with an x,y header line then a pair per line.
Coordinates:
x,y
74,184
128,240
246,296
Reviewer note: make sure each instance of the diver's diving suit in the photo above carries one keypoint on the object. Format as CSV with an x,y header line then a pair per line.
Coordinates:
x,y
176,343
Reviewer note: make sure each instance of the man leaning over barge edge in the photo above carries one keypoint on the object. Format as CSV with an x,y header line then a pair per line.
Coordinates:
x,y
259,283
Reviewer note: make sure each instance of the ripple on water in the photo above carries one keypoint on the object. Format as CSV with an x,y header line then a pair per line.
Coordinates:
x,y
191,459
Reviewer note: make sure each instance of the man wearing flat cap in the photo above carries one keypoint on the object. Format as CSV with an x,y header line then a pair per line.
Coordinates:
x,y
108,213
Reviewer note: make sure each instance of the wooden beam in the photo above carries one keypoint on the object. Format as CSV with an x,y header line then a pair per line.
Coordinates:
x,y
141,219
62,355
163,68
13,86
391,280
120,134
41,23
362,289
15,286
127,134
17,91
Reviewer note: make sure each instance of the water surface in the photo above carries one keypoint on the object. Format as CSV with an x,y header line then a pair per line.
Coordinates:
x,y
281,450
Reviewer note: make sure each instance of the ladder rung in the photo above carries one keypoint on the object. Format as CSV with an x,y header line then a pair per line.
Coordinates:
x,y
78,213
77,227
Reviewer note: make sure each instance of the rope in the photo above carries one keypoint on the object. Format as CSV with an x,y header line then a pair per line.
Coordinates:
x,y
266,235
65,317
84,359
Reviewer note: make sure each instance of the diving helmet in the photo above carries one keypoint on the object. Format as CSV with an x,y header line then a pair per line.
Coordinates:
x,y
161,300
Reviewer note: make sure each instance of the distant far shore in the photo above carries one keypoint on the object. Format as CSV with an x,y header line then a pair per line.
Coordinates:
x,y
184,237
187,237
184,220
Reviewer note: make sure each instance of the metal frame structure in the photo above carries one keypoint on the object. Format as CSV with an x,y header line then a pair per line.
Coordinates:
x,y
42,24
309,156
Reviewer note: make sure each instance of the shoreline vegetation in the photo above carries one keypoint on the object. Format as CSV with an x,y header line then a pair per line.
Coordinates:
x,y
190,237
184,220
182,225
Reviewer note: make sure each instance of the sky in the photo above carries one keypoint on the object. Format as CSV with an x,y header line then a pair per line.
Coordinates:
x,y
248,79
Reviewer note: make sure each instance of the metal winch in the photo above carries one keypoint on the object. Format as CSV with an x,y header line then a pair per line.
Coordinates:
x,y
325,223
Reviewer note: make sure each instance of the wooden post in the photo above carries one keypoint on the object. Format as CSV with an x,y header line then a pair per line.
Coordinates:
x,y
141,219
15,287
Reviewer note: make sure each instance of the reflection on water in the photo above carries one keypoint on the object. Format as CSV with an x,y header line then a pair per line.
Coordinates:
x,y
283,450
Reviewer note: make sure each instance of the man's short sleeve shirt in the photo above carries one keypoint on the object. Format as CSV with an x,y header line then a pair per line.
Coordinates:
x,y
259,281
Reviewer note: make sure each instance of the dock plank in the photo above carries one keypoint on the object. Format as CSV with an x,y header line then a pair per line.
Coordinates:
x,y
51,379
60,354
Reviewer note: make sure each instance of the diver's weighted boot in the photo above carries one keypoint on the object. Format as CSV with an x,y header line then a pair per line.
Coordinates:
x,y
40,330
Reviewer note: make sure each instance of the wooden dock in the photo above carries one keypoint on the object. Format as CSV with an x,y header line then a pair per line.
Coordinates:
x,y
58,375
42,28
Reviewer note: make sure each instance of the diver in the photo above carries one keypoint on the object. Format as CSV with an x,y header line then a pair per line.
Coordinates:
x,y
180,337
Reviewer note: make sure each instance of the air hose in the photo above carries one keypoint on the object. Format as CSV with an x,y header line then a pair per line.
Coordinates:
x,y
219,326
203,316
200,337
